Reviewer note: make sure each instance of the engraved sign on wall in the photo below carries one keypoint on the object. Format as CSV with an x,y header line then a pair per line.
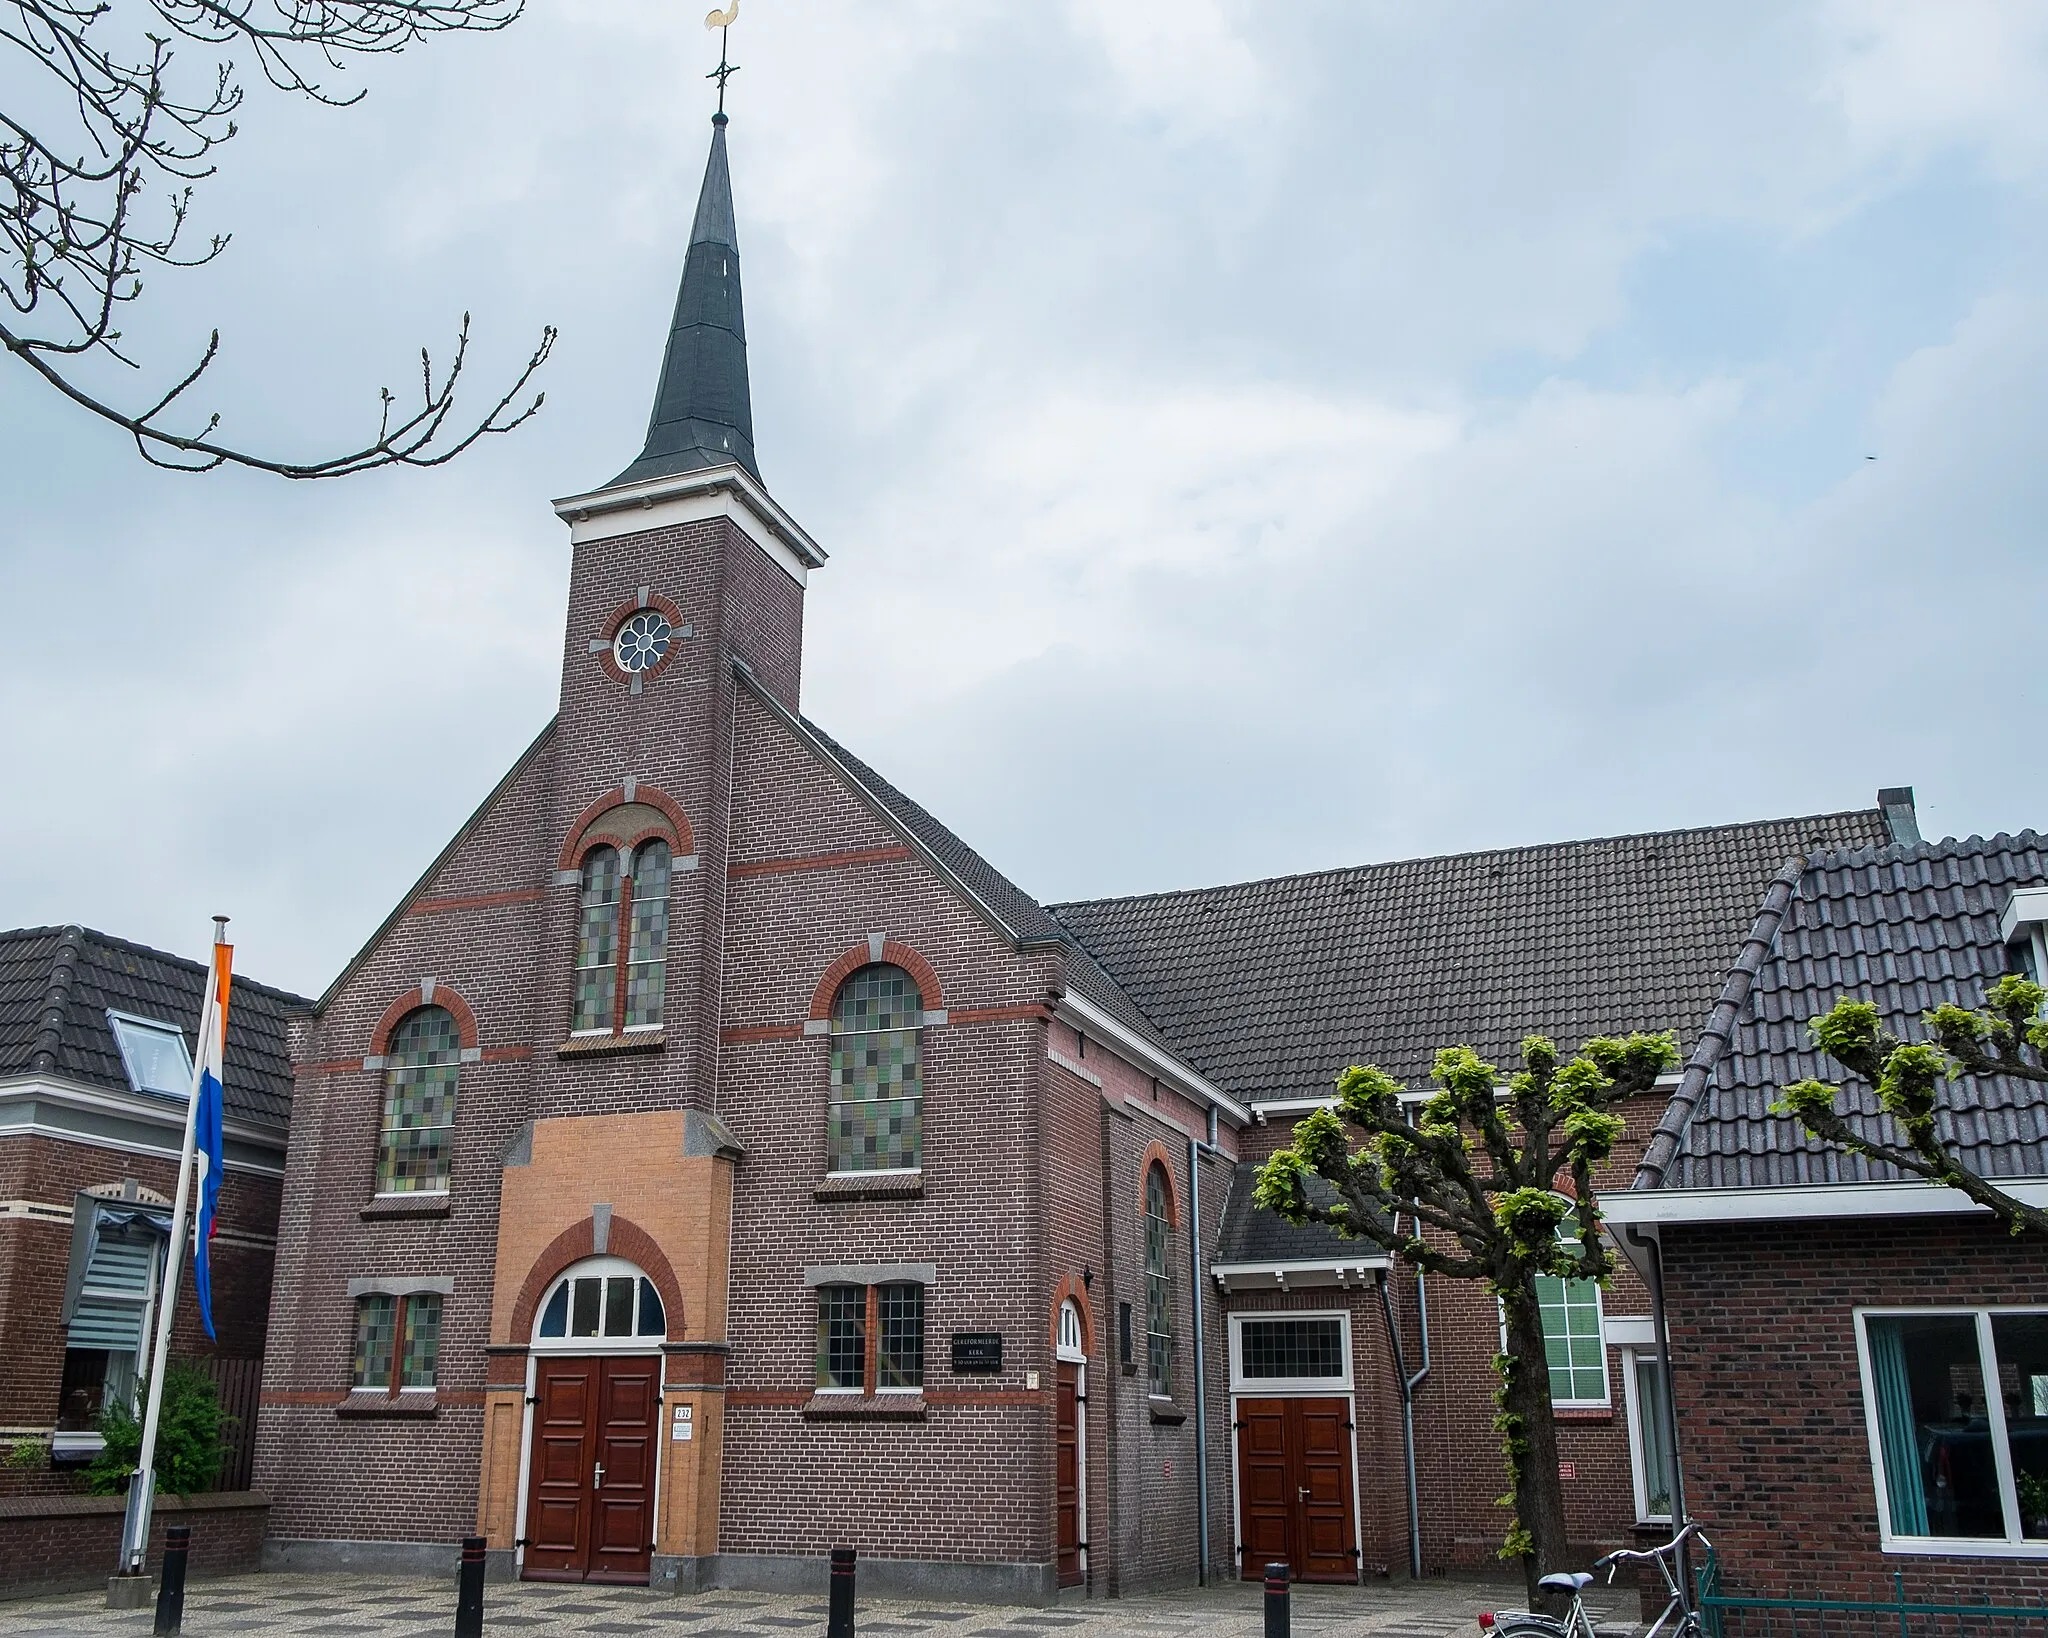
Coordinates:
x,y
977,1352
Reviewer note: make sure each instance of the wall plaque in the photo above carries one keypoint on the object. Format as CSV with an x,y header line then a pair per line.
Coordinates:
x,y
977,1352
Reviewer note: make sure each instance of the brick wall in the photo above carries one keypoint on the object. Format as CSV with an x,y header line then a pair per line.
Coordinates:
x,y
73,1543
1772,1436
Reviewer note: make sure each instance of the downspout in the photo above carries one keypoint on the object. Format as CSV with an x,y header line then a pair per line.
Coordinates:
x,y
1195,1148
1652,1264
1408,1385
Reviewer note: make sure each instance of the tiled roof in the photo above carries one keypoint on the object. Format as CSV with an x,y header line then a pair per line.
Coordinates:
x,y
57,983
1249,1235
1270,988
1906,927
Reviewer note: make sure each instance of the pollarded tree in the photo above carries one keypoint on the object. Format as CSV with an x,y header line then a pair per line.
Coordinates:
x,y
1488,1174
104,132
2006,1036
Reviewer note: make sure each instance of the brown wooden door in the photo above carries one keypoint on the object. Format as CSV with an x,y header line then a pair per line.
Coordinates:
x,y
590,1495
1067,1474
1294,1488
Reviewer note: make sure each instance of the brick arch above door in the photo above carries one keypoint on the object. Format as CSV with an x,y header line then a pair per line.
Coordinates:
x,y
625,1239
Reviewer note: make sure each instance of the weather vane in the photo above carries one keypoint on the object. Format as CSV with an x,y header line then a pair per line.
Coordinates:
x,y
723,21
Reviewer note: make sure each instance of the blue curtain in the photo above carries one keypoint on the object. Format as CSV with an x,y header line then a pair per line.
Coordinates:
x,y
1896,1433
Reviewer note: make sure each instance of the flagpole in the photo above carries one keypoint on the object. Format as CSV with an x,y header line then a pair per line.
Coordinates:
x,y
142,1485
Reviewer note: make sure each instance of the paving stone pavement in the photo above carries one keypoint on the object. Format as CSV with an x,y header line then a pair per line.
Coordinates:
x,y
372,1607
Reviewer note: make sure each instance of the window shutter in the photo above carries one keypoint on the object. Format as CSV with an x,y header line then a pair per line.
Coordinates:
x,y
114,1294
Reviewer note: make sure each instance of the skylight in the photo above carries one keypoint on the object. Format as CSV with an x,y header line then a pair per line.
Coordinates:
x,y
154,1055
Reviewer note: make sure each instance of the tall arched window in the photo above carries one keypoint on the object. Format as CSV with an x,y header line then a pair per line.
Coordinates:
x,y
1158,1285
622,948
417,1145
876,1117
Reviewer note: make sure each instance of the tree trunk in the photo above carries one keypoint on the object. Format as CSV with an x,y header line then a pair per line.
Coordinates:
x,y
1539,1494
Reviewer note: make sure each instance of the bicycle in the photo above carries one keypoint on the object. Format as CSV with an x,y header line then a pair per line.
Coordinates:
x,y
1577,1623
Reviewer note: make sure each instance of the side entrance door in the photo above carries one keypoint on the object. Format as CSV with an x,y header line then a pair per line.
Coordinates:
x,y
1067,1474
1294,1488
590,1499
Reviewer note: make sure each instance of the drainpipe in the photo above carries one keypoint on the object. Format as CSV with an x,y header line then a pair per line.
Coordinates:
x,y
1652,1264
1195,1148
1408,1385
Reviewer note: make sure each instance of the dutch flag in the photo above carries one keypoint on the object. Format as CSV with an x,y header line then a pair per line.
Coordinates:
x,y
207,1141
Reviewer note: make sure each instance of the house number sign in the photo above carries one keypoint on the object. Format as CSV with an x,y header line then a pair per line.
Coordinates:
x,y
977,1352
680,1428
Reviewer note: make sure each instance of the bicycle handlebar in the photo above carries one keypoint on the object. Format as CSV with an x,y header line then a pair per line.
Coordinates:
x,y
1614,1560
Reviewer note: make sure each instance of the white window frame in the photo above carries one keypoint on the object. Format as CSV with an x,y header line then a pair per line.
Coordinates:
x,y
2014,1545
156,1026
600,1267
1281,1387
1606,1400
1638,1466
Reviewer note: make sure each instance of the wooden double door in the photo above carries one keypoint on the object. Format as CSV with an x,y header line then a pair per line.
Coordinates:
x,y
1070,1457
590,1497
1294,1488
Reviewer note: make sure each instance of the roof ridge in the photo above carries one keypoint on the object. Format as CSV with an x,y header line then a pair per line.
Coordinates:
x,y
1469,853
115,942
1946,847
1719,1029
48,1044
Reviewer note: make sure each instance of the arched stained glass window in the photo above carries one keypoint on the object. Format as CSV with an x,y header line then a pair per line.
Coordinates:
x,y
876,1112
1158,1285
597,945
622,945
416,1148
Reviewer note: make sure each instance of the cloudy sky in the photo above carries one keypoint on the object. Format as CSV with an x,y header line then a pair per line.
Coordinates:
x,y
1250,437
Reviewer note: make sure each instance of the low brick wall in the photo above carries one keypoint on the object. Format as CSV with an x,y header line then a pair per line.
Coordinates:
x,y
71,1543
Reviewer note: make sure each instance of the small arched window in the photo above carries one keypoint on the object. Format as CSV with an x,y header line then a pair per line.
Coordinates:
x,y
416,1148
602,1298
876,1112
1158,1285
1070,1347
622,947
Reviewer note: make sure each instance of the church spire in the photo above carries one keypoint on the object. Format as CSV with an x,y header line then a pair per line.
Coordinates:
x,y
703,413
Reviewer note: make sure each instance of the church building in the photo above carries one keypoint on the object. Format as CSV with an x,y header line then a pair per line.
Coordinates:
x,y
713,1160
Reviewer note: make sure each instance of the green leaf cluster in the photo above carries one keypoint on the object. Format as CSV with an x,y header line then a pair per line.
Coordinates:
x,y
188,1438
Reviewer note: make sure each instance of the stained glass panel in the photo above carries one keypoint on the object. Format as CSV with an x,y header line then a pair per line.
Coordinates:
x,y
422,1340
1158,1287
597,944
647,946
876,1121
420,1073
842,1336
900,1309
376,1320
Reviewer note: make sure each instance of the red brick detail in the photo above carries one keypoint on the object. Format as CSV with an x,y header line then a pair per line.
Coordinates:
x,y
1070,1286
1156,1155
323,1398
1000,1015
329,1066
578,1241
739,1034
505,1055
473,901
899,955
819,861
684,840
624,612
411,1002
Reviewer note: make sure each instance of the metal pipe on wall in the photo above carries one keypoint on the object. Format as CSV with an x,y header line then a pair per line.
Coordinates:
x,y
1195,1147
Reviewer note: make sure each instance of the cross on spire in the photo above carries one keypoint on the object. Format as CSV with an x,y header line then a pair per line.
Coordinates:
x,y
723,21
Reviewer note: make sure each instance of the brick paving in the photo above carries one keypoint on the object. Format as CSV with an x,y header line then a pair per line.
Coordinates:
x,y
373,1607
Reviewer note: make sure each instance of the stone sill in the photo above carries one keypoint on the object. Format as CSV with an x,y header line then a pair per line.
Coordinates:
x,y
1590,1413
207,1501
612,1046
427,1203
378,1406
871,1186
860,1407
1165,1412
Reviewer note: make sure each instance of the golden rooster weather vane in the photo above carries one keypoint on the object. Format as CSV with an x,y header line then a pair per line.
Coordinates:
x,y
722,21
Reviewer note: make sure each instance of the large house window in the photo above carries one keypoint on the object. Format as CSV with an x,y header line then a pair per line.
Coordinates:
x,y
398,1341
622,944
1958,1409
1642,1377
417,1146
849,1316
876,1109
1572,1343
1158,1286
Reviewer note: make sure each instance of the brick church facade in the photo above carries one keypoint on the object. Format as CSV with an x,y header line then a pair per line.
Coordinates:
x,y
713,1160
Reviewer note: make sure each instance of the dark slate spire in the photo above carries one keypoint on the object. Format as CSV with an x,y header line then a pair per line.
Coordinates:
x,y
703,414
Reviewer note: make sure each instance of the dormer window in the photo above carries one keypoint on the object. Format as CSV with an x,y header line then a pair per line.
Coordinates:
x,y
2024,926
154,1054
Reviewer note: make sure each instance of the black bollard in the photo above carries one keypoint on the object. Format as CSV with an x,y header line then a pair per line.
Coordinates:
x,y
469,1590
170,1592
839,1622
1276,1601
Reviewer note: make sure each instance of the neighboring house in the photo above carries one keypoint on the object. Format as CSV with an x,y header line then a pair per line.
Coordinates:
x,y
1860,1360
712,1160
96,1036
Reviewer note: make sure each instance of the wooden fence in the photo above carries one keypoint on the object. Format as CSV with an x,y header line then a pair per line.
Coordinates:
x,y
238,1382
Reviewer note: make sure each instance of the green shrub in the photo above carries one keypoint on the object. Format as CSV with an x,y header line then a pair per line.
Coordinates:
x,y
188,1438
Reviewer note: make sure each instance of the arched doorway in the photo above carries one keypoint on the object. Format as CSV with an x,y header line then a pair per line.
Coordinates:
x,y
594,1408
1070,1448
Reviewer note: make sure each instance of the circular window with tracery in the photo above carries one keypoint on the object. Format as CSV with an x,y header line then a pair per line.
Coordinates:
x,y
642,642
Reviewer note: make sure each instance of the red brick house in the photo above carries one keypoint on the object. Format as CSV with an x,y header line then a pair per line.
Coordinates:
x,y
713,1160
1860,1360
96,1036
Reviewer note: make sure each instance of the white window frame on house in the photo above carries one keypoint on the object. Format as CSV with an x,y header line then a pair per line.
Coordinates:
x,y
1278,1387
1638,1460
2015,1544
599,1267
1606,1400
123,1023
